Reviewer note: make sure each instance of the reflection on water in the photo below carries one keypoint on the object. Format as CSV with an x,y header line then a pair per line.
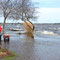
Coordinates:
x,y
29,35
6,45
41,47
0,44
33,48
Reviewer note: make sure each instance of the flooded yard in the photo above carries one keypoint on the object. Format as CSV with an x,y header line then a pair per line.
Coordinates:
x,y
41,47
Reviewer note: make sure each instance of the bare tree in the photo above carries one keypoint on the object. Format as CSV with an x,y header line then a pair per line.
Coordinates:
x,y
25,11
17,10
6,7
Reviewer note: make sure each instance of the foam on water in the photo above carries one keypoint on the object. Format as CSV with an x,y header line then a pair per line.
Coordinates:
x,y
47,32
54,29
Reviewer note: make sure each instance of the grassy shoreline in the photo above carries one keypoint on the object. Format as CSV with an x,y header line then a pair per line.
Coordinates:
x,y
6,54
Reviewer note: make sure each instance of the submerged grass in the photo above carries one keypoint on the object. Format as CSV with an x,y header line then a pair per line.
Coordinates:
x,y
10,57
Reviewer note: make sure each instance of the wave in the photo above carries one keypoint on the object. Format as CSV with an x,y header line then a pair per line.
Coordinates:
x,y
58,28
55,29
47,32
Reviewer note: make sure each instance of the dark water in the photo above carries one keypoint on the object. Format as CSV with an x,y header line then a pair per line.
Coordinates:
x,y
44,46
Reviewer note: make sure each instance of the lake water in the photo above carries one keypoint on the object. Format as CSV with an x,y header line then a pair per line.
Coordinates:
x,y
44,46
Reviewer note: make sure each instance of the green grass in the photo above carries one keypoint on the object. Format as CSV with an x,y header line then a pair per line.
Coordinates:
x,y
13,54
2,50
8,58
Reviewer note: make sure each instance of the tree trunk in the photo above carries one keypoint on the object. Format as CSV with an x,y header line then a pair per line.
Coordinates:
x,y
4,26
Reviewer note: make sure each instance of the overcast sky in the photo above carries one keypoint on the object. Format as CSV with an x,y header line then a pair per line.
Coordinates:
x,y
48,3
49,11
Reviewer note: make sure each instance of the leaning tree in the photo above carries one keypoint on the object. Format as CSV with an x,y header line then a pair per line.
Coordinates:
x,y
25,11
17,10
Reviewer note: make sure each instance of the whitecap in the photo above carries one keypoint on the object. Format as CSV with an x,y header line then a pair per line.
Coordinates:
x,y
47,32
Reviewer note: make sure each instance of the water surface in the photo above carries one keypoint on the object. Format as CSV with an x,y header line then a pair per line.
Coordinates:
x,y
41,47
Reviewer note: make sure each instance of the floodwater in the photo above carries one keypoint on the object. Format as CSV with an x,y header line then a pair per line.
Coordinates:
x,y
44,46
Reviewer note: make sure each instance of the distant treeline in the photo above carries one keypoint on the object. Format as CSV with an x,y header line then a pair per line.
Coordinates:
x,y
35,23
